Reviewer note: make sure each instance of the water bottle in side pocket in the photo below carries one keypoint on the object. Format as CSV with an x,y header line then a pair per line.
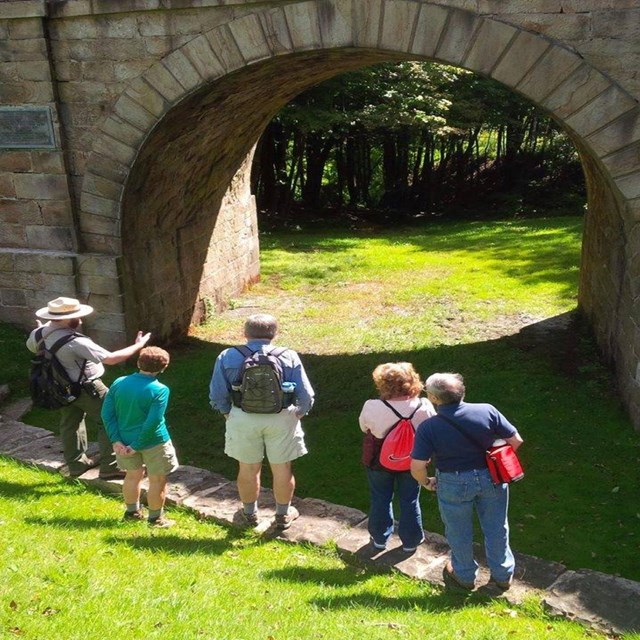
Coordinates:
x,y
289,394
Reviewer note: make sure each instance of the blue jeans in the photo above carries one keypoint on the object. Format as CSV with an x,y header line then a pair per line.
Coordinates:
x,y
382,486
459,492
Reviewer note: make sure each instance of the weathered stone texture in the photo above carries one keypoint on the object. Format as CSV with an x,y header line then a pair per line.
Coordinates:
x,y
523,54
489,46
366,22
141,88
457,37
276,31
41,186
431,23
398,27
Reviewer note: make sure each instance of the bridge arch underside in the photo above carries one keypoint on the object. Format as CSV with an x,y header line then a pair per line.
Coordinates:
x,y
188,189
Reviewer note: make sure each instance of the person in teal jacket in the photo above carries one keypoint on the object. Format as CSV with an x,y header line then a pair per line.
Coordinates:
x,y
133,415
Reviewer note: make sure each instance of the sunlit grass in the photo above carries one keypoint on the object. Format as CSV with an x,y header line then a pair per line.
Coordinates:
x,y
71,569
408,286
445,297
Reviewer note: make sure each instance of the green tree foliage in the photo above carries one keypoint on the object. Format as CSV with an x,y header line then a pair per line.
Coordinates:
x,y
412,137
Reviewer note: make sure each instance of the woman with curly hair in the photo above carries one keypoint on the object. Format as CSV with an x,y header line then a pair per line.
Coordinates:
x,y
399,388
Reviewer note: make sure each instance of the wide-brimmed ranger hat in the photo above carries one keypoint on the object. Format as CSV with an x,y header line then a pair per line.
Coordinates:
x,y
64,309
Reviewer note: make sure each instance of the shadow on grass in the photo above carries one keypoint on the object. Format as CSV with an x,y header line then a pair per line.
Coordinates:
x,y
434,602
434,598
175,545
79,524
547,381
21,491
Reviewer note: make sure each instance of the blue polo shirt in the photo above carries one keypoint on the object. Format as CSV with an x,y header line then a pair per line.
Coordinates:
x,y
441,442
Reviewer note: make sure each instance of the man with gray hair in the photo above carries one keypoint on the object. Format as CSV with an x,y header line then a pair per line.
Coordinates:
x,y
456,438
249,434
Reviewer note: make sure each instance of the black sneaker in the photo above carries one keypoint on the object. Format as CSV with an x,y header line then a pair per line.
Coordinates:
x,y
133,515
503,585
249,520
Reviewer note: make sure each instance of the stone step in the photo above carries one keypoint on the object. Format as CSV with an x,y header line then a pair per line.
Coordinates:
x,y
603,602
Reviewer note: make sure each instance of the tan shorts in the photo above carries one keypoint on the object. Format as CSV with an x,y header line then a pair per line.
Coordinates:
x,y
159,460
249,435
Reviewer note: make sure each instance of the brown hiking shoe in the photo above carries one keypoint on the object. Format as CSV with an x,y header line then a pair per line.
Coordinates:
x,y
451,580
503,585
134,515
249,520
161,523
284,521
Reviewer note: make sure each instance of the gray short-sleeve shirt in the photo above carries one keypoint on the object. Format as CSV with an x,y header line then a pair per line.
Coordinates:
x,y
73,354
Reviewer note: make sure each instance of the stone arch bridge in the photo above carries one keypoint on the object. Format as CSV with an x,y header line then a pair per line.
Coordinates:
x,y
127,129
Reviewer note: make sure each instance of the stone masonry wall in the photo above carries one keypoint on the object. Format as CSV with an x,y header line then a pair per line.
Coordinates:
x,y
156,106
37,252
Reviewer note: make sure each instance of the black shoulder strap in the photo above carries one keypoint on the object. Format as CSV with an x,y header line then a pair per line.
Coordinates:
x,y
60,342
462,431
413,413
245,351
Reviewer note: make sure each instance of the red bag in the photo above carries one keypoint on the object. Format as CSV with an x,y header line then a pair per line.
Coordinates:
x,y
503,464
395,454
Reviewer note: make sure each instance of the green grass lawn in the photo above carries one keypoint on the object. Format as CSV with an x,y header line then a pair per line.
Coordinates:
x,y
72,570
446,297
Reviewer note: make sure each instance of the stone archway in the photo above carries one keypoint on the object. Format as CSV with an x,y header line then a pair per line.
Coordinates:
x,y
156,189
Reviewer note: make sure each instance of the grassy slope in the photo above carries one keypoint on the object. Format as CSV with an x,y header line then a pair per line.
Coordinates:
x,y
439,297
72,570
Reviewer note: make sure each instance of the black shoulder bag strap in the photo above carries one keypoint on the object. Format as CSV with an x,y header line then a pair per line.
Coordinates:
x,y
60,342
413,413
462,431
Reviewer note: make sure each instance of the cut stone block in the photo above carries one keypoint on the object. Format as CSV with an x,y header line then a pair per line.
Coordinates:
x,y
45,453
187,481
596,599
321,522
15,435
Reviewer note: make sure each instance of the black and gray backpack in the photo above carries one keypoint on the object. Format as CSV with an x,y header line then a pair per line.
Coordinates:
x,y
258,388
49,383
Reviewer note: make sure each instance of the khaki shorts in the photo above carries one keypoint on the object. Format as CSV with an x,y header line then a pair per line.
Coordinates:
x,y
249,435
159,460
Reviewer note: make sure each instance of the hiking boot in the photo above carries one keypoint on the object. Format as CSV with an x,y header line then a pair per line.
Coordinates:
x,y
161,523
451,580
377,545
504,585
249,520
134,515
283,521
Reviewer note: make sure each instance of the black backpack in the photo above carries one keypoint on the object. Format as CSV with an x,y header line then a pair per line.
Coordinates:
x,y
49,383
258,388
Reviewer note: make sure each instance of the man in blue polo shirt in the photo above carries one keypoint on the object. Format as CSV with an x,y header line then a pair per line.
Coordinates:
x,y
463,482
249,435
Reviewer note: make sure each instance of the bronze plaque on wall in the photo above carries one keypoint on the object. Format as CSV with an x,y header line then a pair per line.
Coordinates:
x,y
26,128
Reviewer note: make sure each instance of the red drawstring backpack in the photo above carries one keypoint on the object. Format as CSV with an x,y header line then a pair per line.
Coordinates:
x,y
395,453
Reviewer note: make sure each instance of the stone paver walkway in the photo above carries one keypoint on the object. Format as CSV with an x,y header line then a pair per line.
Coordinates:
x,y
598,600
